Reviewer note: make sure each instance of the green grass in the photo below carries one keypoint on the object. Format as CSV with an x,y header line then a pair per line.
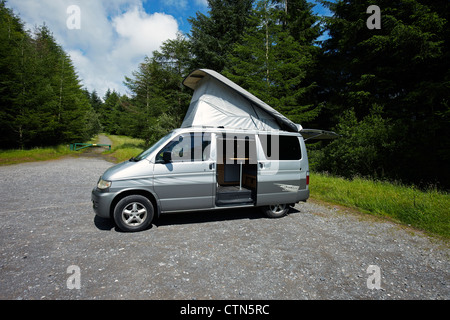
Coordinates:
x,y
427,210
123,148
8,157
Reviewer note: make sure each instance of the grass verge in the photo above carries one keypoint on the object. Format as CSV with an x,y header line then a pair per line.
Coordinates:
x,y
427,210
123,148
8,157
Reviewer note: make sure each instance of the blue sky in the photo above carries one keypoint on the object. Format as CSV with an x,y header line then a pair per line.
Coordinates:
x,y
180,9
183,9
107,39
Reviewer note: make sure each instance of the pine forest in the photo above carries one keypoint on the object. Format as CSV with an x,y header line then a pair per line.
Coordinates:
x,y
385,90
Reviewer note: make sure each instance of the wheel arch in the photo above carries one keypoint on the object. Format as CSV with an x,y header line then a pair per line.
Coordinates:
x,y
149,195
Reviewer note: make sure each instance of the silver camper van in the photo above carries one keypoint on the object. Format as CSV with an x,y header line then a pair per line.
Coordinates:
x,y
232,151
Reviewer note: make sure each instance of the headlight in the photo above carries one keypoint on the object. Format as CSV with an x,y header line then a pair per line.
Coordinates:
x,y
103,184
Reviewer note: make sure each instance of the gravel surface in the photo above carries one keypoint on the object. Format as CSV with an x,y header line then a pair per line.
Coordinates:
x,y
47,226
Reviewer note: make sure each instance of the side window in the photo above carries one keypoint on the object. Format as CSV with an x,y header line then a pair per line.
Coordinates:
x,y
281,147
187,147
181,149
290,148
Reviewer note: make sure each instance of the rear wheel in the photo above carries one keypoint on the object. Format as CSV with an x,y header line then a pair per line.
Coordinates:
x,y
275,211
133,213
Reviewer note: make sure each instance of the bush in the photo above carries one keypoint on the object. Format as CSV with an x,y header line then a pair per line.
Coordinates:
x,y
363,149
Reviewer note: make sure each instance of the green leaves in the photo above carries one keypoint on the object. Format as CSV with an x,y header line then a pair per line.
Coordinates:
x,y
276,56
402,67
364,148
158,102
212,37
41,101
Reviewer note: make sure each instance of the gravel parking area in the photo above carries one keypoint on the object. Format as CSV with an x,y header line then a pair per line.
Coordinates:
x,y
53,247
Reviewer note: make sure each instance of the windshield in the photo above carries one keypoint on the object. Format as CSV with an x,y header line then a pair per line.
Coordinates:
x,y
154,147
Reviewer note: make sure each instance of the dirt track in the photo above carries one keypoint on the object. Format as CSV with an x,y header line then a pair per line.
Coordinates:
x,y
316,252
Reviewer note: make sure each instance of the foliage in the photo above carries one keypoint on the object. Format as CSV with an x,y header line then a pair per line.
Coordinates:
x,y
14,156
276,55
384,90
124,148
159,101
426,210
41,100
213,36
363,147
402,67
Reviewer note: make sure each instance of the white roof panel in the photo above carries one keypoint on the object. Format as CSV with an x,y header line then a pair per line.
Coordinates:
x,y
217,101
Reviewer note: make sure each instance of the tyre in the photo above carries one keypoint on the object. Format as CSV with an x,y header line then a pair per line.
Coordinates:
x,y
133,213
275,211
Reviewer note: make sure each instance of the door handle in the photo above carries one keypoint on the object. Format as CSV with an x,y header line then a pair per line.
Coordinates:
x,y
261,165
211,165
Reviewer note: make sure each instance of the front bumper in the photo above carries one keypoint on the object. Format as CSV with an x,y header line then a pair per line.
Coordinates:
x,y
101,202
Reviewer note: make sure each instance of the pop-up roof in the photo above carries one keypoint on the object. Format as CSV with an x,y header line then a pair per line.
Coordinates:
x,y
219,102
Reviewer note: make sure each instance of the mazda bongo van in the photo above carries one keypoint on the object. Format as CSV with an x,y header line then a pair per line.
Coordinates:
x,y
205,169
232,151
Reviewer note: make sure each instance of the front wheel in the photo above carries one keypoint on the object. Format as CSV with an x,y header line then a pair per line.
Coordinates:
x,y
133,213
275,211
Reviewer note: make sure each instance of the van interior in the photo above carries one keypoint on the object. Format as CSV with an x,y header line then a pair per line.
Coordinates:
x,y
236,171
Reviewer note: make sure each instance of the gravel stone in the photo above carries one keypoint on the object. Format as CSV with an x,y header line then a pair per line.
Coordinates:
x,y
315,252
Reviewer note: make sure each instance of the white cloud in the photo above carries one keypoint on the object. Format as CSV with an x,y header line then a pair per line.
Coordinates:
x,y
141,33
114,36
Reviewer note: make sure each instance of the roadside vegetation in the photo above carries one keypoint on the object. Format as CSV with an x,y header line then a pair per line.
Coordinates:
x,y
15,156
123,147
8,157
423,209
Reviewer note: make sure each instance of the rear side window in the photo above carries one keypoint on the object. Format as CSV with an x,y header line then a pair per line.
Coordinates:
x,y
288,147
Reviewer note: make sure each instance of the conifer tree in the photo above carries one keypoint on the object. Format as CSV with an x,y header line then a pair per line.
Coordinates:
x,y
158,101
15,64
276,56
213,35
403,67
42,102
